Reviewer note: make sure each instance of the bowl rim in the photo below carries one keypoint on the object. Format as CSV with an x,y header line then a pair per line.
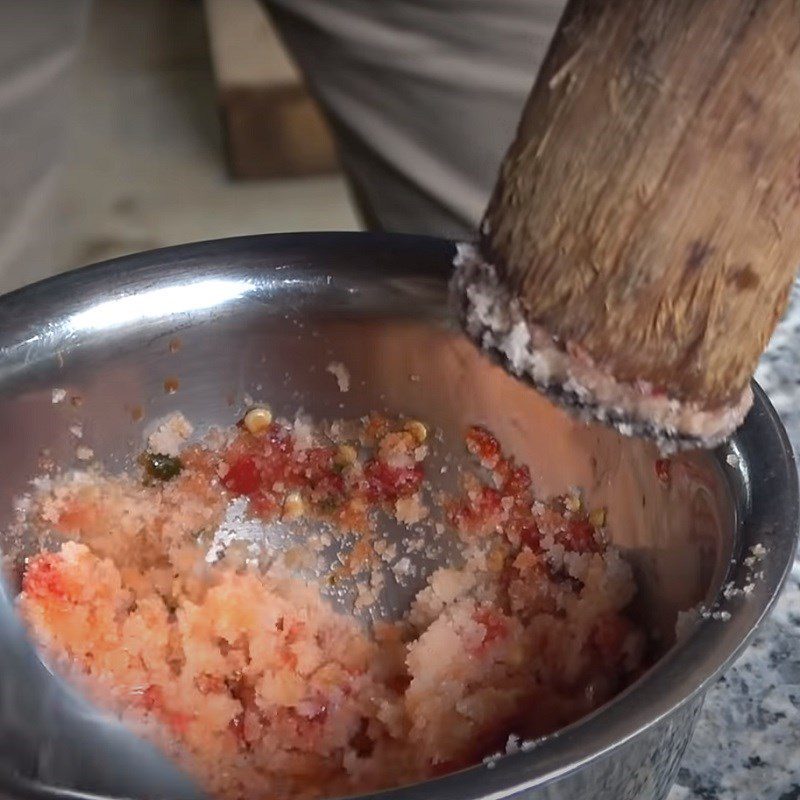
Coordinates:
x,y
764,466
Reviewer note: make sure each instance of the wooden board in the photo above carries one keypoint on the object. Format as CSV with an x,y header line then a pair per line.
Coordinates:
x,y
272,126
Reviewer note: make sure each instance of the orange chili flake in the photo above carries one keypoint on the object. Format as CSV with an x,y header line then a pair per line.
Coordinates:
x,y
664,470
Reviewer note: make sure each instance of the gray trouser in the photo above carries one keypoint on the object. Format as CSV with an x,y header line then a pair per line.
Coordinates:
x,y
423,96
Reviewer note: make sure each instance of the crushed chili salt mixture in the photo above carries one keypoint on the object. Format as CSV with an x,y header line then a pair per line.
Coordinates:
x,y
161,602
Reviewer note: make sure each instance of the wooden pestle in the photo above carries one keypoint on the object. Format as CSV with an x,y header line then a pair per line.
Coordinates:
x,y
643,236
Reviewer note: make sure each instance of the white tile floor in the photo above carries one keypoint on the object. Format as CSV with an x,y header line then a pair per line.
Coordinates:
x,y
145,167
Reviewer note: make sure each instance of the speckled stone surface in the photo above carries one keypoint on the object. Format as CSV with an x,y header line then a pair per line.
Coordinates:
x,y
747,743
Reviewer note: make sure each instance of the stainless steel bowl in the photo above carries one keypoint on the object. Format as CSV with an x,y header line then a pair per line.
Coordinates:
x,y
263,316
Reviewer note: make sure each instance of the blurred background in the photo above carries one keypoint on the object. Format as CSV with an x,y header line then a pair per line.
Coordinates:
x,y
164,121
185,125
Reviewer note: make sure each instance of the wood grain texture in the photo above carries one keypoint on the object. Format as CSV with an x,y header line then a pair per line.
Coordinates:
x,y
649,209
275,132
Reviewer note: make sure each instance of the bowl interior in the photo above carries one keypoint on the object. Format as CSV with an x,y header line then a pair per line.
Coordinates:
x,y
210,347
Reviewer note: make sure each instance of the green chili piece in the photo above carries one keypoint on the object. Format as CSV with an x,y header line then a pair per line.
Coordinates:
x,y
161,467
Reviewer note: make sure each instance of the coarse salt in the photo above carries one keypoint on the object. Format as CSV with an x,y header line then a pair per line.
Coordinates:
x,y
170,436
341,373
84,453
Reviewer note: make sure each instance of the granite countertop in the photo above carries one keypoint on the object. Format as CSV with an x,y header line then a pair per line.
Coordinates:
x,y
747,743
